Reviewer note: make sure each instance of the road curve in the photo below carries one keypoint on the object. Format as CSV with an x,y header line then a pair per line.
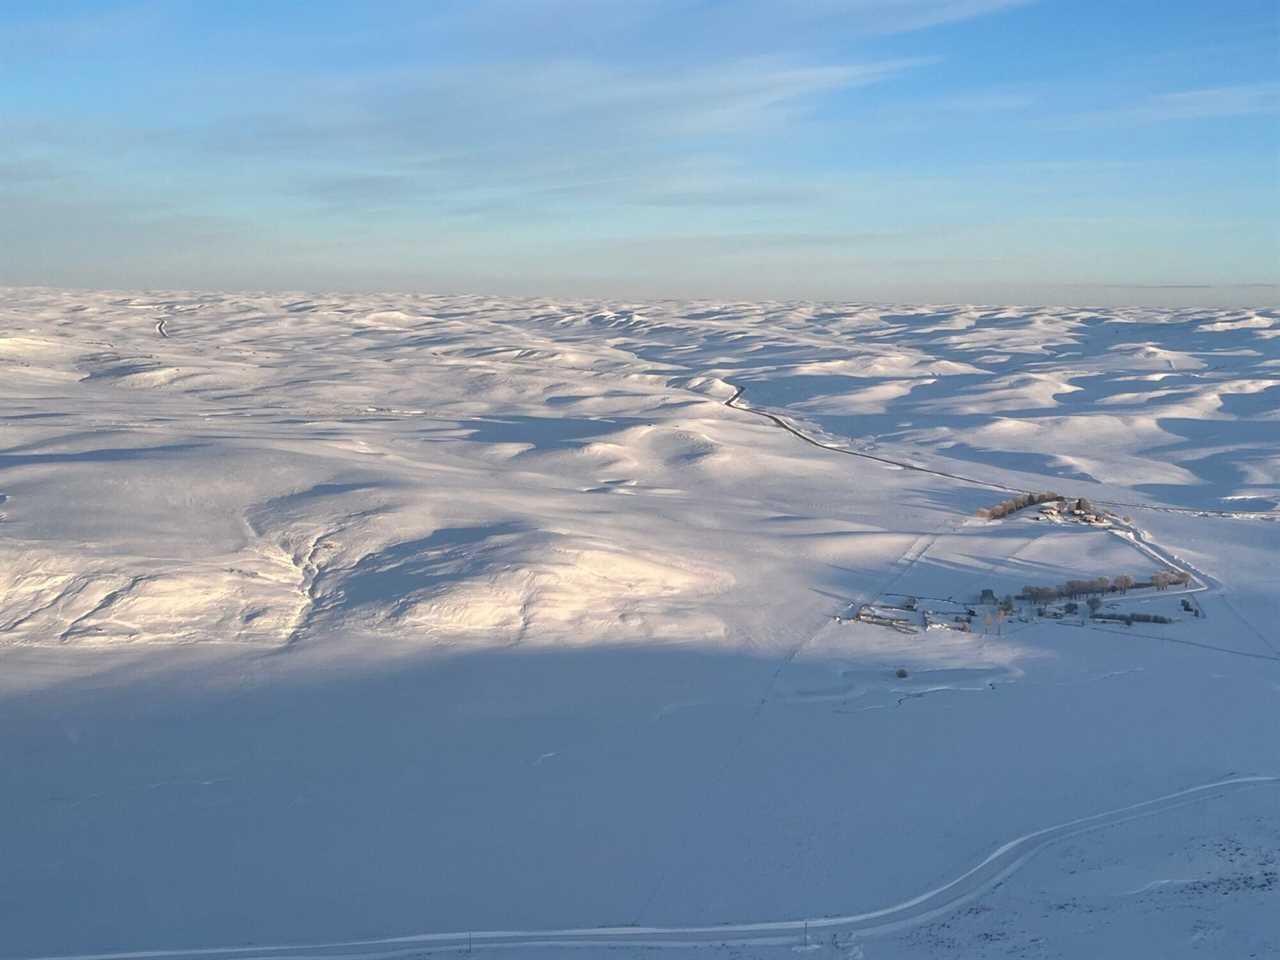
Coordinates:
x,y
999,864
990,485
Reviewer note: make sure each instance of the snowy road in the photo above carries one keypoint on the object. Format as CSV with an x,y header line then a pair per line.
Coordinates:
x,y
1002,862
902,464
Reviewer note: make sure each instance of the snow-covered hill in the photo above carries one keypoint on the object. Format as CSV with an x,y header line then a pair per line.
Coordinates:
x,y
346,618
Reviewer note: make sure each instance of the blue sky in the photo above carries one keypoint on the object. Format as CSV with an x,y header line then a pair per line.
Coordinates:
x,y
997,150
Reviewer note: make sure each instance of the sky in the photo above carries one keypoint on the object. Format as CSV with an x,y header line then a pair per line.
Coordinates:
x,y
1033,151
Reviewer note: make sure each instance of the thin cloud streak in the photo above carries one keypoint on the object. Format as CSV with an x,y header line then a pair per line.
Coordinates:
x,y
1208,103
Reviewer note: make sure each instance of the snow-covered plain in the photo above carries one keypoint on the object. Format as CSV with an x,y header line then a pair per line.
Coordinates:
x,y
330,620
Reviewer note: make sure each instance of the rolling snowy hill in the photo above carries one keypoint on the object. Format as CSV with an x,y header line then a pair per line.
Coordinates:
x,y
330,620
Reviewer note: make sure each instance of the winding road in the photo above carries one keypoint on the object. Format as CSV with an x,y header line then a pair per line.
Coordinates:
x,y
795,431
1124,529
999,864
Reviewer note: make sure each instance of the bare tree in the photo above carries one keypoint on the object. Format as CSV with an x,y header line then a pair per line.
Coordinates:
x,y
1077,588
1014,504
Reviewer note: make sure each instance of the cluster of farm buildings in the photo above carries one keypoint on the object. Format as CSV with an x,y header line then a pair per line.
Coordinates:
x,y
1056,602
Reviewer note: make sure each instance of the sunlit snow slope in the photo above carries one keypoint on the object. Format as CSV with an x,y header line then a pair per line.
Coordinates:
x,y
425,470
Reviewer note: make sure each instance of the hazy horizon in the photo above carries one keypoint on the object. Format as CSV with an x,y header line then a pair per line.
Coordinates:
x,y
1258,296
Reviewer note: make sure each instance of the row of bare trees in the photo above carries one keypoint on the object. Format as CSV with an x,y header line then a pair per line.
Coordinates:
x,y
1014,504
1098,586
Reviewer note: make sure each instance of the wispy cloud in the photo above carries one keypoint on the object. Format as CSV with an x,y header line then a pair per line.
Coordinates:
x,y
1206,103
522,106
735,244
52,33
529,131
15,173
719,27
1234,101
580,137
879,16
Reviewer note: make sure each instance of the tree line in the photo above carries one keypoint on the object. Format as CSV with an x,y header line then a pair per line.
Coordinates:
x,y
1075,589
1014,504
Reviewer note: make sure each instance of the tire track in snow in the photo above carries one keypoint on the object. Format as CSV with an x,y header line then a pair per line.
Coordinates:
x,y
918,548
1186,643
997,866
1254,630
